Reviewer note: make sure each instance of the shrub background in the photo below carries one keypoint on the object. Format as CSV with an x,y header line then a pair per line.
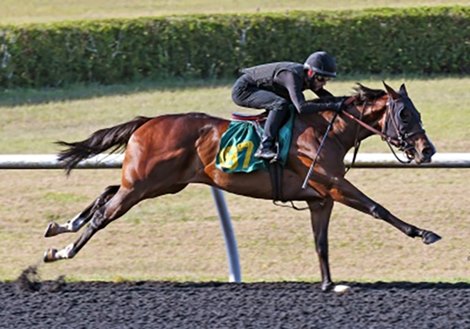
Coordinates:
x,y
412,40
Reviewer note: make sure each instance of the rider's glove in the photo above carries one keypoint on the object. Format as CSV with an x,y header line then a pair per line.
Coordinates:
x,y
338,106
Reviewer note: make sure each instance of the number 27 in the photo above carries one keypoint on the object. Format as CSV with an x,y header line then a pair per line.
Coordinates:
x,y
229,155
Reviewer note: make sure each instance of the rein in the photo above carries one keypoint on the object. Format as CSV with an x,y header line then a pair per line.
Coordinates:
x,y
372,129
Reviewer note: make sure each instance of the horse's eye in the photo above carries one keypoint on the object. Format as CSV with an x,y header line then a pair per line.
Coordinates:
x,y
404,115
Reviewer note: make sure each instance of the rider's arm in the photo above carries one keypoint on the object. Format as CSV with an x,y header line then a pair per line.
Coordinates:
x,y
323,93
293,83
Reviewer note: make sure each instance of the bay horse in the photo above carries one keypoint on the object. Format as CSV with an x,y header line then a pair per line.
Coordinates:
x,y
166,153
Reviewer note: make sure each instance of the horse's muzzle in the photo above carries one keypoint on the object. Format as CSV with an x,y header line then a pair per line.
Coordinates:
x,y
419,148
424,154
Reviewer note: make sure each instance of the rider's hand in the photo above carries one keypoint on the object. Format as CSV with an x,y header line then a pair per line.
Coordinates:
x,y
338,106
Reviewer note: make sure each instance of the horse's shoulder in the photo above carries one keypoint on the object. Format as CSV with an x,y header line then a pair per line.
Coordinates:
x,y
314,120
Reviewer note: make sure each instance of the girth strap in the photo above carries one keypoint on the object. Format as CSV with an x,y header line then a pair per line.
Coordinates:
x,y
276,172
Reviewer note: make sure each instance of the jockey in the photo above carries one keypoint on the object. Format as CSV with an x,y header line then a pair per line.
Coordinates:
x,y
275,86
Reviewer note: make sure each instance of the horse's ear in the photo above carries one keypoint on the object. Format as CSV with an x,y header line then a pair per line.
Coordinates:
x,y
402,90
392,93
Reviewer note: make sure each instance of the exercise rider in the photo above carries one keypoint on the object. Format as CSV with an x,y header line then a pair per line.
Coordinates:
x,y
275,86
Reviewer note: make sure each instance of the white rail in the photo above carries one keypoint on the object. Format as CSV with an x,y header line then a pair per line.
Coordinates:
x,y
388,160
49,161
363,160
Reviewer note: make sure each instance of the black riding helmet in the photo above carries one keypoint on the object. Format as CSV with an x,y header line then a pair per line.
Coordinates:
x,y
321,63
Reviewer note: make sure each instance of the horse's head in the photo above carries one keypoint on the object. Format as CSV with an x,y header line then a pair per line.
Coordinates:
x,y
403,126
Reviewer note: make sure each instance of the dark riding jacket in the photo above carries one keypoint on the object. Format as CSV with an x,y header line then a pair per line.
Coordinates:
x,y
288,80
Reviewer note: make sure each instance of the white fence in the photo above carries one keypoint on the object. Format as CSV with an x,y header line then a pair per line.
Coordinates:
x,y
363,160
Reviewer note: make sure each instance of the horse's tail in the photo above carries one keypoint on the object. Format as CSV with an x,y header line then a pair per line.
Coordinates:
x,y
114,137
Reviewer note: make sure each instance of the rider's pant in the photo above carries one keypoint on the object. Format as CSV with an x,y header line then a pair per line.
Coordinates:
x,y
246,93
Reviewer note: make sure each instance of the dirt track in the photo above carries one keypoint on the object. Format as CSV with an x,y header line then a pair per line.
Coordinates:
x,y
224,305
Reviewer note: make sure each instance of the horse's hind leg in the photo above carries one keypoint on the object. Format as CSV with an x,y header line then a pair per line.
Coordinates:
x,y
119,204
82,218
100,217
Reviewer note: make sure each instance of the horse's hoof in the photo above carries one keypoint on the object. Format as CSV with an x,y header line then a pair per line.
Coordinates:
x,y
430,237
51,230
50,255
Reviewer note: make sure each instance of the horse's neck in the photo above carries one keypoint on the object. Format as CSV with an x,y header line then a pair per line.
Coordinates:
x,y
371,113
312,128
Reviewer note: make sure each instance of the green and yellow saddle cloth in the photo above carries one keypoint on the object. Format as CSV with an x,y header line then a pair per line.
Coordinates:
x,y
240,142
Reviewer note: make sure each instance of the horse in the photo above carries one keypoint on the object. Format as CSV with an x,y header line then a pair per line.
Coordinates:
x,y
164,154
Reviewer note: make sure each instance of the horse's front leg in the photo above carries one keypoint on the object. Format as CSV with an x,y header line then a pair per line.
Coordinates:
x,y
82,218
320,212
343,191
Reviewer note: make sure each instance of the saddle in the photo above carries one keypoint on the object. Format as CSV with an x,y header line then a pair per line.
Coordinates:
x,y
240,141
261,117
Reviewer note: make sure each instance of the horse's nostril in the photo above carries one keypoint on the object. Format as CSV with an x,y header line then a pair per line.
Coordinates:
x,y
428,152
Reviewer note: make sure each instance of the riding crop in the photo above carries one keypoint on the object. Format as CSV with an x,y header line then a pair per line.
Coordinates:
x,y
310,170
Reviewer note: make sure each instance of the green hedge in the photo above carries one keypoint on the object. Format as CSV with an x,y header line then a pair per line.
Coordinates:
x,y
412,40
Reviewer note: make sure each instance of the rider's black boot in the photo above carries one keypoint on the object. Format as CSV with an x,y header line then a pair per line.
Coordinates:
x,y
268,150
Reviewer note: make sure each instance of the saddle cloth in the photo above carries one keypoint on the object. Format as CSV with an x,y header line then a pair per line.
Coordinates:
x,y
241,140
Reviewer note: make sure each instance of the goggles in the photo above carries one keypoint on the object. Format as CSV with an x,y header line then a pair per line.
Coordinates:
x,y
322,78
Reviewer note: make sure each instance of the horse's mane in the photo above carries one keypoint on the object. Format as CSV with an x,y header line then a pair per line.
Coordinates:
x,y
364,94
361,93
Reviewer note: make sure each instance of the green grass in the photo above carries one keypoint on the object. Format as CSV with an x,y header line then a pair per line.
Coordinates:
x,y
28,11
33,119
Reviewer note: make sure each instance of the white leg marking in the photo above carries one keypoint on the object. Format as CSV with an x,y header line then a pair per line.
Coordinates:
x,y
65,252
75,223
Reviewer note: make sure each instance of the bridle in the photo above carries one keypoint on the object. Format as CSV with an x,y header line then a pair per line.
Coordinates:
x,y
400,140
